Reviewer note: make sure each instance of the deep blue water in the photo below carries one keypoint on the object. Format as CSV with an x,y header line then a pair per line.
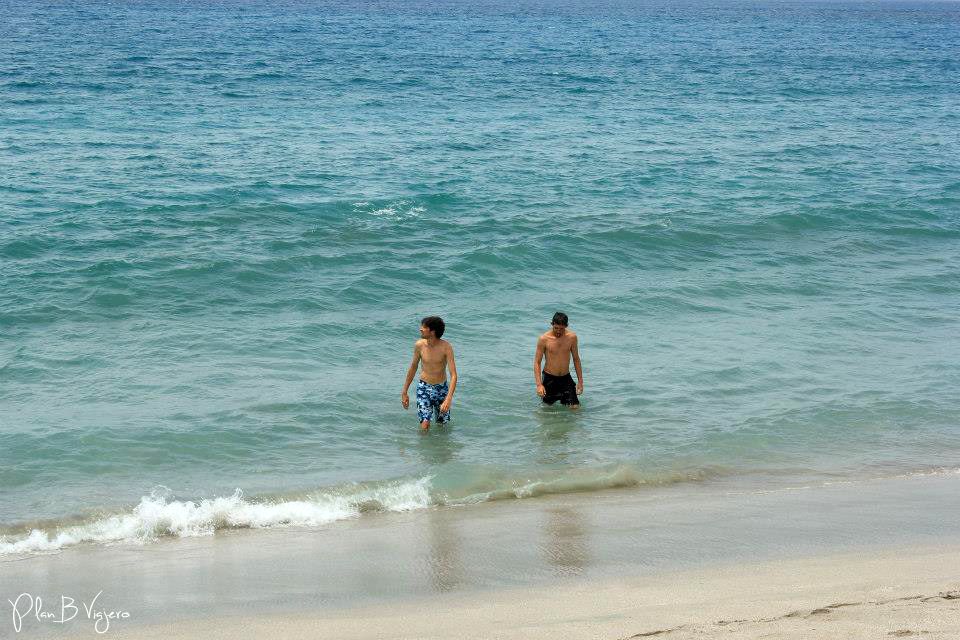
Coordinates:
x,y
220,224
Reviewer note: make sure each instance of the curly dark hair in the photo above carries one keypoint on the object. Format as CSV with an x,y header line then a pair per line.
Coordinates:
x,y
560,318
435,323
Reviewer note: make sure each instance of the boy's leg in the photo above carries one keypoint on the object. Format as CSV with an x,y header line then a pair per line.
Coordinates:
x,y
424,405
440,397
569,397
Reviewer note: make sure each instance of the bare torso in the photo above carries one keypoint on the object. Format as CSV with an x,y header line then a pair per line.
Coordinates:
x,y
557,351
433,360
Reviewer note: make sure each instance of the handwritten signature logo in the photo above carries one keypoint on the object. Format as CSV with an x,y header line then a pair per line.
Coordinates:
x,y
25,604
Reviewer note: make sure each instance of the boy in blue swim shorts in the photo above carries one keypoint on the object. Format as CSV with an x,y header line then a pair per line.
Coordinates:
x,y
430,398
433,356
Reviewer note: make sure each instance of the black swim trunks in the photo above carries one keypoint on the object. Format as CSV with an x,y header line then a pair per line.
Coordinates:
x,y
560,388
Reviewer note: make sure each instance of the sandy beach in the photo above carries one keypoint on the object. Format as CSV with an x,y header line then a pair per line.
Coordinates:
x,y
871,559
903,593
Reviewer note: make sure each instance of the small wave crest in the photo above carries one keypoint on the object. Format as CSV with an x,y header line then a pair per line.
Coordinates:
x,y
486,486
159,514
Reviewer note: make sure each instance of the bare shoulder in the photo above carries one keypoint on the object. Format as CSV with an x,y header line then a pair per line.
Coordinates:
x,y
419,343
544,337
447,346
572,335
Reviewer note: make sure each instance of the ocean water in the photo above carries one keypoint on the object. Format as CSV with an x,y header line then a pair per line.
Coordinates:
x,y
220,224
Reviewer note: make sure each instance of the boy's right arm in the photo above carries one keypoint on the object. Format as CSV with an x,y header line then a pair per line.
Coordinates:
x,y
404,398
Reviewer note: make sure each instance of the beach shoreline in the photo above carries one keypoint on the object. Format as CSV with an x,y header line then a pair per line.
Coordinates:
x,y
607,564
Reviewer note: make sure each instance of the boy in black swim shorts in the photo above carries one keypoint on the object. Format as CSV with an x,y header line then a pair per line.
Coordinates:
x,y
559,388
558,346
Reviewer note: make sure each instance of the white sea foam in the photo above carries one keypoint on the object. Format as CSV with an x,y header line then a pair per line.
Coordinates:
x,y
156,515
936,471
397,210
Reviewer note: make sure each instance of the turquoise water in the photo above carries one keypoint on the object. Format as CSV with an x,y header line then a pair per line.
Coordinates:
x,y
220,224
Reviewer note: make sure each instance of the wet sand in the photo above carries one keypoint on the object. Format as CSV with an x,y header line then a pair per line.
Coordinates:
x,y
906,593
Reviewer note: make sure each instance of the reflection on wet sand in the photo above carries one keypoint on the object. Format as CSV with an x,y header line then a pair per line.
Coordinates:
x,y
444,563
565,541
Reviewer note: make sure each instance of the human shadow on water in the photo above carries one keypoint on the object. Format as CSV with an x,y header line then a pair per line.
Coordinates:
x,y
437,444
555,426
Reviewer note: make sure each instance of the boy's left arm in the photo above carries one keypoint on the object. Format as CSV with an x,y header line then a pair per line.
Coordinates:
x,y
577,366
445,405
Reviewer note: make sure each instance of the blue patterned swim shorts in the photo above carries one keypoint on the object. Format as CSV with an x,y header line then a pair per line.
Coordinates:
x,y
429,399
